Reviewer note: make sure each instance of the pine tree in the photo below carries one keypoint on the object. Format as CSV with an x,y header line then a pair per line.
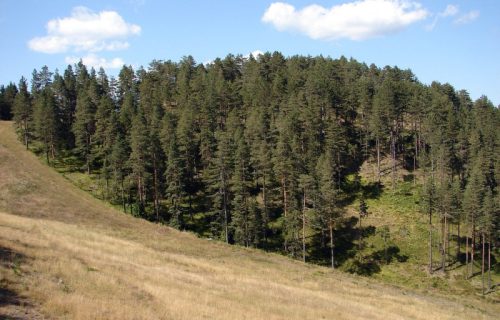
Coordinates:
x,y
84,127
285,168
218,186
45,122
429,198
331,197
486,227
104,137
308,186
240,185
7,97
23,111
473,199
139,160
118,164
175,183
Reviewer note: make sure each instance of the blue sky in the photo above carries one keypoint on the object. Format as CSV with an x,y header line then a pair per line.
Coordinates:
x,y
449,41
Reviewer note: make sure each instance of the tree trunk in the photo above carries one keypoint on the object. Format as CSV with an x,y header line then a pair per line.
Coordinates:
x,y
331,245
224,200
123,197
393,156
482,263
155,186
283,183
26,133
264,199
489,262
87,156
445,236
430,240
378,159
467,255
458,240
304,228
472,246
415,157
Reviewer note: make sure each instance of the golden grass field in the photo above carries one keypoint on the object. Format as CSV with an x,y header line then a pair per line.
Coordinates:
x,y
66,255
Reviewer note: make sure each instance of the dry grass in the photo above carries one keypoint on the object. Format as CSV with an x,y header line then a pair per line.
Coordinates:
x,y
75,258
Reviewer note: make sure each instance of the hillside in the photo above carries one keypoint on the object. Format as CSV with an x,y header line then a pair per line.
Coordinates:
x,y
65,254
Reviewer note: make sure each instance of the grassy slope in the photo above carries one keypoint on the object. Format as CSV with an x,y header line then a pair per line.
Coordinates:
x,y
65,254
399,210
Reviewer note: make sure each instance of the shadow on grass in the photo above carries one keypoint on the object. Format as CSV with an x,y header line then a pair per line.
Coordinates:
x,y
345,240
370,264
372,190
9,298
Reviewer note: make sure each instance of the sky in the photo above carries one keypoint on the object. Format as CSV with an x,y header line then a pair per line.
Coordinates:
x,y
456,42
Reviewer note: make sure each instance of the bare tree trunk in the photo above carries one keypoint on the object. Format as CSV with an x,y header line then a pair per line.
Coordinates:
x,y
393,156
482,263
458,240
123,197
264,199
331,245
449,232
473,246
415,156
26,133
467,254
87,156
224,201
430,240
445,239
156,201
304,228
378,159
489,262
283,183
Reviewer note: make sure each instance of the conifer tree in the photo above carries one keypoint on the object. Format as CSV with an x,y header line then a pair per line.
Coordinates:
x,y
218,186
331,197
139,160
23,111
45,122
84,127
429,198
473,201
118,163
175,183
240,185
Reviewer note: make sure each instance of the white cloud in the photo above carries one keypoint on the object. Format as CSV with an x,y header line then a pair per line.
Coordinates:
x,y
92,60
85,30
467,17
450,10
356,20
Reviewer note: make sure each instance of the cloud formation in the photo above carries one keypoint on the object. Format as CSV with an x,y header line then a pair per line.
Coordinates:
x,y
452,11
85,30
358,20
467,17
92,60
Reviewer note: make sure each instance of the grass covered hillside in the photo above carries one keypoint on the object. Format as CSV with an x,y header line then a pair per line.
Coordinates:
x,y
65,254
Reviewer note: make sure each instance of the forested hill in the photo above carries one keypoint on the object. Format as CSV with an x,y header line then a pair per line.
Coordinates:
x,y
267,152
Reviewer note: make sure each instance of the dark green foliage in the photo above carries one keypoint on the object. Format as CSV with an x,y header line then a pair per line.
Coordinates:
x,y
84,127
46,122
7,97
23,111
